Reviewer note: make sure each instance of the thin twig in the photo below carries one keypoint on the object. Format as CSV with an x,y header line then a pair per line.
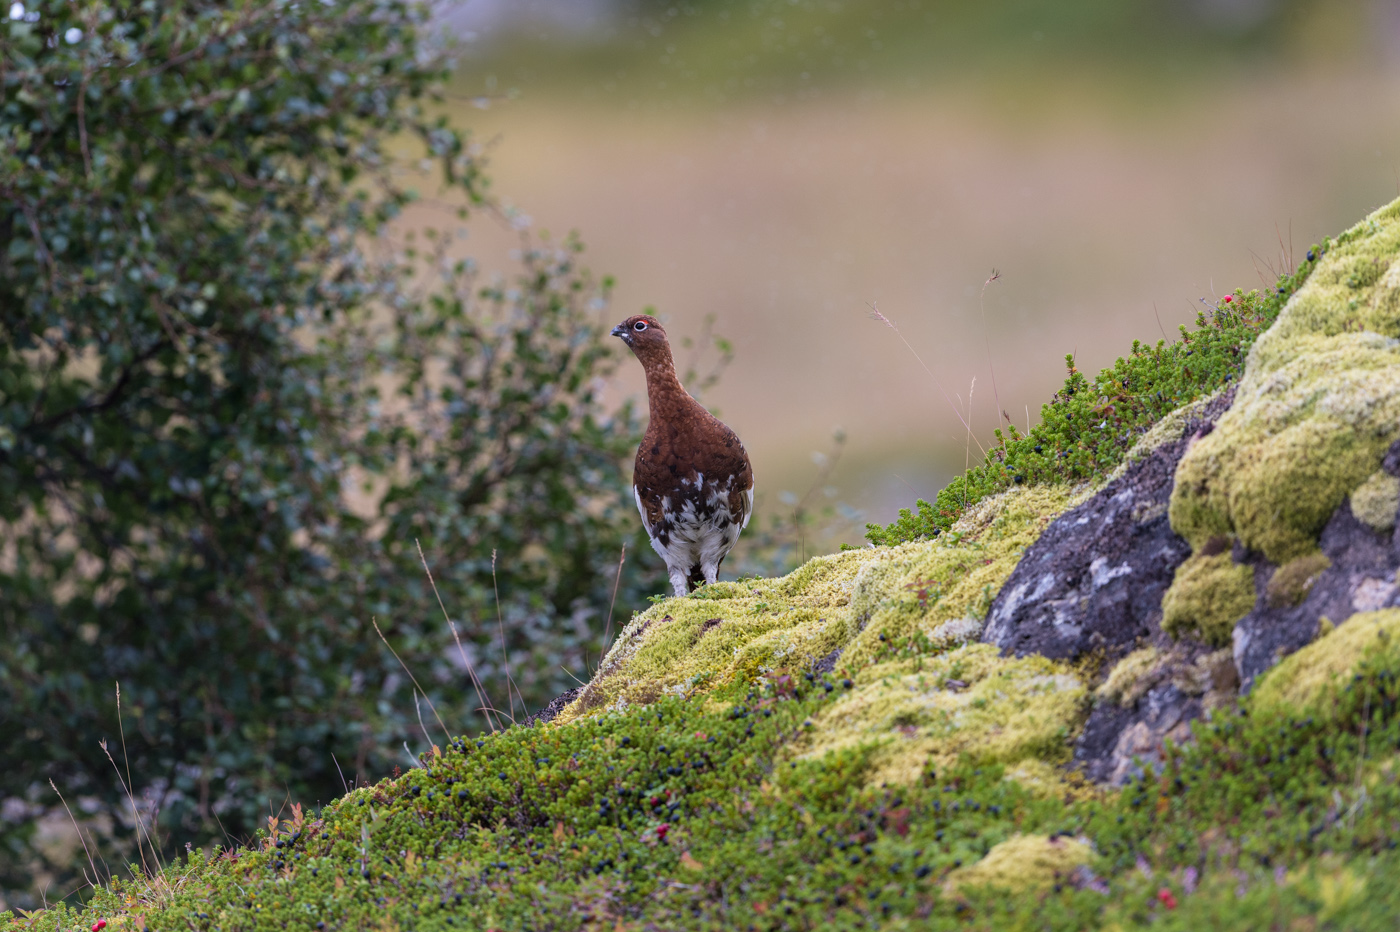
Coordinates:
x,y
126,759
876,315
471,671
374,621
607,631
341,772
95,875
419,709
505,655
967,449
1159,321
986,338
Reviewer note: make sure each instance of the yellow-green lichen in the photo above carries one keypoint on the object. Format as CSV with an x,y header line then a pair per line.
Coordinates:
x,y
970,703
726,629
1303,676
1292,582
1376,500
919,587
1316,408
1022,863
1208,594
1131,677
938,589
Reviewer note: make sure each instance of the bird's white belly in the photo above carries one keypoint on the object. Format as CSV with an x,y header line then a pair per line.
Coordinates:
x,y
699,532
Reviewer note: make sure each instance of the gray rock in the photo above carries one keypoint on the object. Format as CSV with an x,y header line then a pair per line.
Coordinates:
x,y
1360,579
1094,580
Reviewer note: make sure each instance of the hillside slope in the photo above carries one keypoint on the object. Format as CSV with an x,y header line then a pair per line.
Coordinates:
x,y
1066,710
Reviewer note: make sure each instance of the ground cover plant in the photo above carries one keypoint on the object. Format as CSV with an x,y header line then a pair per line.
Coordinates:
x,y
689,814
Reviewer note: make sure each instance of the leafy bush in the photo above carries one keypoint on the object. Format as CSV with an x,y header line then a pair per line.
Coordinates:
x,y
1088,427
197,350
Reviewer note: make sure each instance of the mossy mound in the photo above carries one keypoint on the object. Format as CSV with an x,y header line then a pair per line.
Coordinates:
x,y
868,604
1377,500
1302,677
1209,593
1024,863
1317,406
968,705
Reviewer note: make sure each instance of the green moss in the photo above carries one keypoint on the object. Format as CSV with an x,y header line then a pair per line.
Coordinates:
x,y
1303,676
1023,863
1376,500
1292,582
968,704
869,603
1208,594
1132,676
1317,407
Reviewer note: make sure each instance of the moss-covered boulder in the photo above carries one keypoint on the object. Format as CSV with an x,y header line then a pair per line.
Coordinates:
x,y
1316,410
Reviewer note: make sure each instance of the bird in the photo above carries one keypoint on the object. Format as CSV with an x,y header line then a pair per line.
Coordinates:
x,y
692,479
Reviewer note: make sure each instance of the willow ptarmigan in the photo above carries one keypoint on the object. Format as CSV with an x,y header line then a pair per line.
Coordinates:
x,y
693,482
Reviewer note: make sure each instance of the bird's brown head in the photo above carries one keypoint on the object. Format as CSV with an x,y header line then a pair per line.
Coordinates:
x,y
646,338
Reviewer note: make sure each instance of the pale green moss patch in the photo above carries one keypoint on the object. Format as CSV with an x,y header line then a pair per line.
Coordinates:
x,y
937,589
1292,582
1317,406
919,587
1376,500
1331,660
726,629
1022,863
1131,677
1208,595
970,703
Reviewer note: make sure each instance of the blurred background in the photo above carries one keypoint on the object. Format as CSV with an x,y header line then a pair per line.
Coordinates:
x,y
784,164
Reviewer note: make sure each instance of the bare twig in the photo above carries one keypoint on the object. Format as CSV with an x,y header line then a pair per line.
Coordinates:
x,y
505,655
471,671
1159,321
986,338
876,315
95,875
967,449
607,631
375,622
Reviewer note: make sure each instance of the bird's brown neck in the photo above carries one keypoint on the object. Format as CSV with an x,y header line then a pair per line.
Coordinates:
x,y
665,394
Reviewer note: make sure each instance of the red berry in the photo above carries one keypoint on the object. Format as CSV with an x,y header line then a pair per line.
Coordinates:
x,y
1166,897
99,925
662,829
1229,298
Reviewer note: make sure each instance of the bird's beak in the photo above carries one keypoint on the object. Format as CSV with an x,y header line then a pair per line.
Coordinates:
x,y
623,333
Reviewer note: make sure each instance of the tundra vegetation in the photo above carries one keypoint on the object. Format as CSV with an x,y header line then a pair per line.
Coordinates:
x,y
832,748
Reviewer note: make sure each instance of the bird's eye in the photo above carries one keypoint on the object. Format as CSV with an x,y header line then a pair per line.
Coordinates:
x,y
639,326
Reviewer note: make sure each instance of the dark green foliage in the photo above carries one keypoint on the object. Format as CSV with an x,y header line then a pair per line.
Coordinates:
x,y
1088,427
192,349
1264,819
